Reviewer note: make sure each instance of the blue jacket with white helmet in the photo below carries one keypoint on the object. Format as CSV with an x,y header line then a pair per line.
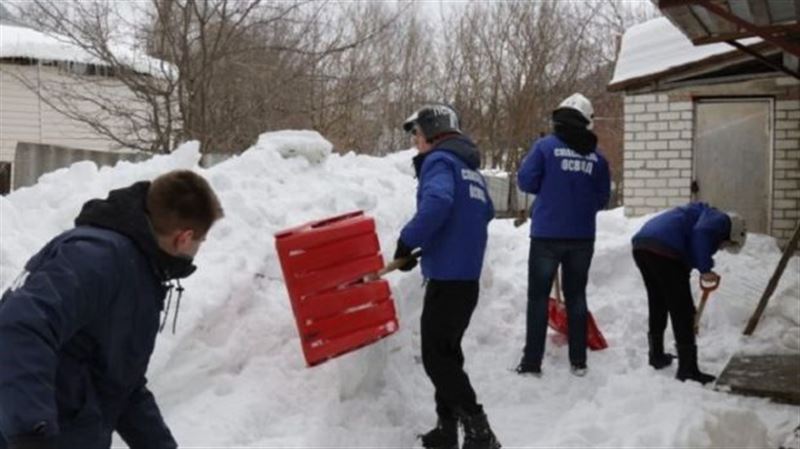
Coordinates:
x,y
453,211
690,233
570,189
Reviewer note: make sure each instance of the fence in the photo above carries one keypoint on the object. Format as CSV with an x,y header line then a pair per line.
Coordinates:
x,y
509,201
32,160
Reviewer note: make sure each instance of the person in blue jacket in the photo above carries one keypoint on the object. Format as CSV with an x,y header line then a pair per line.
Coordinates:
x,y
571,181
78,327
450,226
666,250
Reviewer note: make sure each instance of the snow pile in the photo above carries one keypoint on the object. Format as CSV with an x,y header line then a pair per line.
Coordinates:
x,y
657,46
306,144
234,375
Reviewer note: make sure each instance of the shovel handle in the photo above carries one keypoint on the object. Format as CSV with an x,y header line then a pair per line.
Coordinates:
x,y
707,288
394,265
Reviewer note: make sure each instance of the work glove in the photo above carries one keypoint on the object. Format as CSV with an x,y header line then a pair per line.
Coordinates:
x,y
403,251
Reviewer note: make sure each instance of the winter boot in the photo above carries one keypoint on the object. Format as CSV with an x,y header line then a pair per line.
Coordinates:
x,y
443,436
657,358
579,369
477,433
687,365
528,369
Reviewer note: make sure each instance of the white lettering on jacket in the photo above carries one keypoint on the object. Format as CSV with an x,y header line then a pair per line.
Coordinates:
x,y
472,175
477,193
568,152
574,165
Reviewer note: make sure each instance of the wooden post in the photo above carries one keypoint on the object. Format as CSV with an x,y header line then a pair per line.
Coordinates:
x,y
773,282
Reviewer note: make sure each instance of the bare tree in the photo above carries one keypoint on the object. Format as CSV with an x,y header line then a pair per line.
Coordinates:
x,y
225,71
234,68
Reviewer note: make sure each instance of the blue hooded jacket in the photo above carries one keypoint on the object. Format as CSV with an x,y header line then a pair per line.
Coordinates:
x,y
77,333
690,233
453,211
570,189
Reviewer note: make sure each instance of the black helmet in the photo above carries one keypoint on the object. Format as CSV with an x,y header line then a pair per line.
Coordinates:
x,y
434,120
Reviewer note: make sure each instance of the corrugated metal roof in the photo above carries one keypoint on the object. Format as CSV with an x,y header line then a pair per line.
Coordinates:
x,y
709,21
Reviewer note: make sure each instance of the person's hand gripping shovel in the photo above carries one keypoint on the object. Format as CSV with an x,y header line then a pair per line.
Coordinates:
x,y
393,265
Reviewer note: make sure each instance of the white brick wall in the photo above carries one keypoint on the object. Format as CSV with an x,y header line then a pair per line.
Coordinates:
x,y
658,158
655,130
786,175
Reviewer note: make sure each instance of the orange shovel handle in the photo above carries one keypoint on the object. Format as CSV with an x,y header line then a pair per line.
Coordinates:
x,y
707,288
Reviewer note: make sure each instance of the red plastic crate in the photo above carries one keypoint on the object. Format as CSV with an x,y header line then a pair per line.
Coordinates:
x,y
323,263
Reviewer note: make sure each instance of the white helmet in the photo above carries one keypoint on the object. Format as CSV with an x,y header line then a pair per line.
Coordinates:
x,y
738,235
581,104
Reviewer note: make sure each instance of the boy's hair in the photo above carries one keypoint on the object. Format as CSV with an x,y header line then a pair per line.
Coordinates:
x,y
182,199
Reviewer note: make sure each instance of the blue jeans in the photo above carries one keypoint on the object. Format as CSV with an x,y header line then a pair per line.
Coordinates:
x,y
575,257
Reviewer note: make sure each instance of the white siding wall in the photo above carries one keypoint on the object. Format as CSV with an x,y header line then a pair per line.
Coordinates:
x,y
24,117
19,114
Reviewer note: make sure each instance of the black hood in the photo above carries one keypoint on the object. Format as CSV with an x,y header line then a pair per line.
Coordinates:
x,y
570,126
457,144
124,211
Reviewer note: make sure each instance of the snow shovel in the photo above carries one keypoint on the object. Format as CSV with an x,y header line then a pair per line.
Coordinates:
x,y
557,320
707,289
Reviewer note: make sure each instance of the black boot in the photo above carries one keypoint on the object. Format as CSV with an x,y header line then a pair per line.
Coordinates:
x,y
657,357
687,365
443,436
477,433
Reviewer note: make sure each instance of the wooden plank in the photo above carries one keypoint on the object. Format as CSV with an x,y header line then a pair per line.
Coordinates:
x,y
776,377
771,30
773,282
670,4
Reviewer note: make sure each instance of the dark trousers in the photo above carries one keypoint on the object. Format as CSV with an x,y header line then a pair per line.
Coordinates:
x,y
445,316
668,292
575,258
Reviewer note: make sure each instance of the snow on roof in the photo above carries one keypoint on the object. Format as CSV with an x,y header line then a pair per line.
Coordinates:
x,y
657,45
24,42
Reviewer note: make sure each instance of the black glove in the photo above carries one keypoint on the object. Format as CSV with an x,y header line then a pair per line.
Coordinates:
x,y
403,251
32,442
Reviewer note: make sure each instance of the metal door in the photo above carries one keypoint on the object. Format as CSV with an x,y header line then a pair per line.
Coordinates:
x,y
732,147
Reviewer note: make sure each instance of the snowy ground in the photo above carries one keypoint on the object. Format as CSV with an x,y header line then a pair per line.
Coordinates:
x,y
234,375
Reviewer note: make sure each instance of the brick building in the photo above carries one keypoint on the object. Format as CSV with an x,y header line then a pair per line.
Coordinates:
x,y
709,123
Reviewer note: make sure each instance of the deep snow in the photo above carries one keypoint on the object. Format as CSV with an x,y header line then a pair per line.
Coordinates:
x,y
233,375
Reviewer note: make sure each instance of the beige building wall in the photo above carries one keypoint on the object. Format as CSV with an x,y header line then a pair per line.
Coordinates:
x,y
24,117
